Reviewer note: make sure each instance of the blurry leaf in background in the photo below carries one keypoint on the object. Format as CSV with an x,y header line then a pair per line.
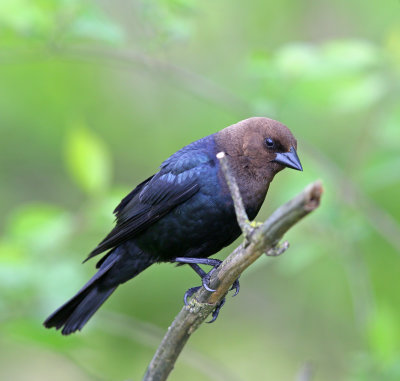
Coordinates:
x,y
91,24
384,335
27,18
393,45
40,227
52,20
338,76
169,19
388,133
366,368
33,233
87,160
296,60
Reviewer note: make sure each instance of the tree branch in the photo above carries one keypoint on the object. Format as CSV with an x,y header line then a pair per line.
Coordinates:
x,y
262,239
240,211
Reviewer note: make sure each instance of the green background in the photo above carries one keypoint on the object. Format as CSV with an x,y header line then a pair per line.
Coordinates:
x,y
94,95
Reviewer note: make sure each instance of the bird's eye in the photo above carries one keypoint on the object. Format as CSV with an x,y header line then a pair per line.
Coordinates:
x,y
269,143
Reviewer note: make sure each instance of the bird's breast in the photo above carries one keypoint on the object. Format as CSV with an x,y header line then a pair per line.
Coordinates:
x,y
199,227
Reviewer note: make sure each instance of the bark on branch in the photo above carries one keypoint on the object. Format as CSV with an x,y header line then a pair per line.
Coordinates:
x,y
259,239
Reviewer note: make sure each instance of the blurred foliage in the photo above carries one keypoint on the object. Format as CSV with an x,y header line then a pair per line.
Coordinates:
x,y
49,21
96,94
87,160
339,76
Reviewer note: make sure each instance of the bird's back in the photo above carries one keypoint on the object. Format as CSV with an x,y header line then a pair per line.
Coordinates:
x,y
203,224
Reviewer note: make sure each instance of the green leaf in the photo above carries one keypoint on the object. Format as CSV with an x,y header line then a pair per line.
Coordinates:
x,y
39,227
351,55
91,24
340,76
393,45
296,60
87,160
91,28
23,16
383,334
170,19
359,93
47,20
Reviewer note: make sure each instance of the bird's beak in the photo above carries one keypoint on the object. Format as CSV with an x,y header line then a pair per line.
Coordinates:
x,y
289,159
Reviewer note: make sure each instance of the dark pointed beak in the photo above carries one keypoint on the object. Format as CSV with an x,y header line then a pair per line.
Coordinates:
x,y
289,159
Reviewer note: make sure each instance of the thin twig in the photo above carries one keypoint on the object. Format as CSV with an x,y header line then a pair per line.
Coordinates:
x,y
278,249
265,237
240,211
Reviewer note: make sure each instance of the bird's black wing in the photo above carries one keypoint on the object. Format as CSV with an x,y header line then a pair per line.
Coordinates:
x,y
175,183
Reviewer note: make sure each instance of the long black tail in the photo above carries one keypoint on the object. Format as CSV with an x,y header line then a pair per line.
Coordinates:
x,y
116,269
74,314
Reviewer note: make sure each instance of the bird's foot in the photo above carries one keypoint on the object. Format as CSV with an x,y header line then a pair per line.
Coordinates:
x,y
195,262
215,313
189,293
205,280
236,287
216,310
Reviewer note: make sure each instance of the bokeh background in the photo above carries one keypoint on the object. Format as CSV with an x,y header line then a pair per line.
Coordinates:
x,y
95,94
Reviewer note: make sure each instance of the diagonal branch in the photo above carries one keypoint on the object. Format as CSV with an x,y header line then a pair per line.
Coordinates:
x,y
262,239
241,215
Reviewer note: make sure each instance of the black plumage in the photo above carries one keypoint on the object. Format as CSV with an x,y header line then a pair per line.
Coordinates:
x,y
184,211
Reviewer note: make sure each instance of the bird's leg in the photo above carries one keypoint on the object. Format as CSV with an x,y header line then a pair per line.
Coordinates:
x,y
205,277
236,287
198,270
189,293
195,262
200,261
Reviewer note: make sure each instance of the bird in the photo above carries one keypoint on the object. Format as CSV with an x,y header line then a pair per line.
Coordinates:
x,y
184,213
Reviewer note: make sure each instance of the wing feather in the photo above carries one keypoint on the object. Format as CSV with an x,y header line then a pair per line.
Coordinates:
x,y
176,182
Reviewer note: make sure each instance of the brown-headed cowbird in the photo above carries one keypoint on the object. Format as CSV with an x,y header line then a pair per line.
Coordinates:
x,y
184,213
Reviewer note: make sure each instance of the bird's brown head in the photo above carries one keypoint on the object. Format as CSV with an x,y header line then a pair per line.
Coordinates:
x,y
262,145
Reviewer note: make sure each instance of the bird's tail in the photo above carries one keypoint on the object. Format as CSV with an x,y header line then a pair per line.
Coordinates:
x,y
75,313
